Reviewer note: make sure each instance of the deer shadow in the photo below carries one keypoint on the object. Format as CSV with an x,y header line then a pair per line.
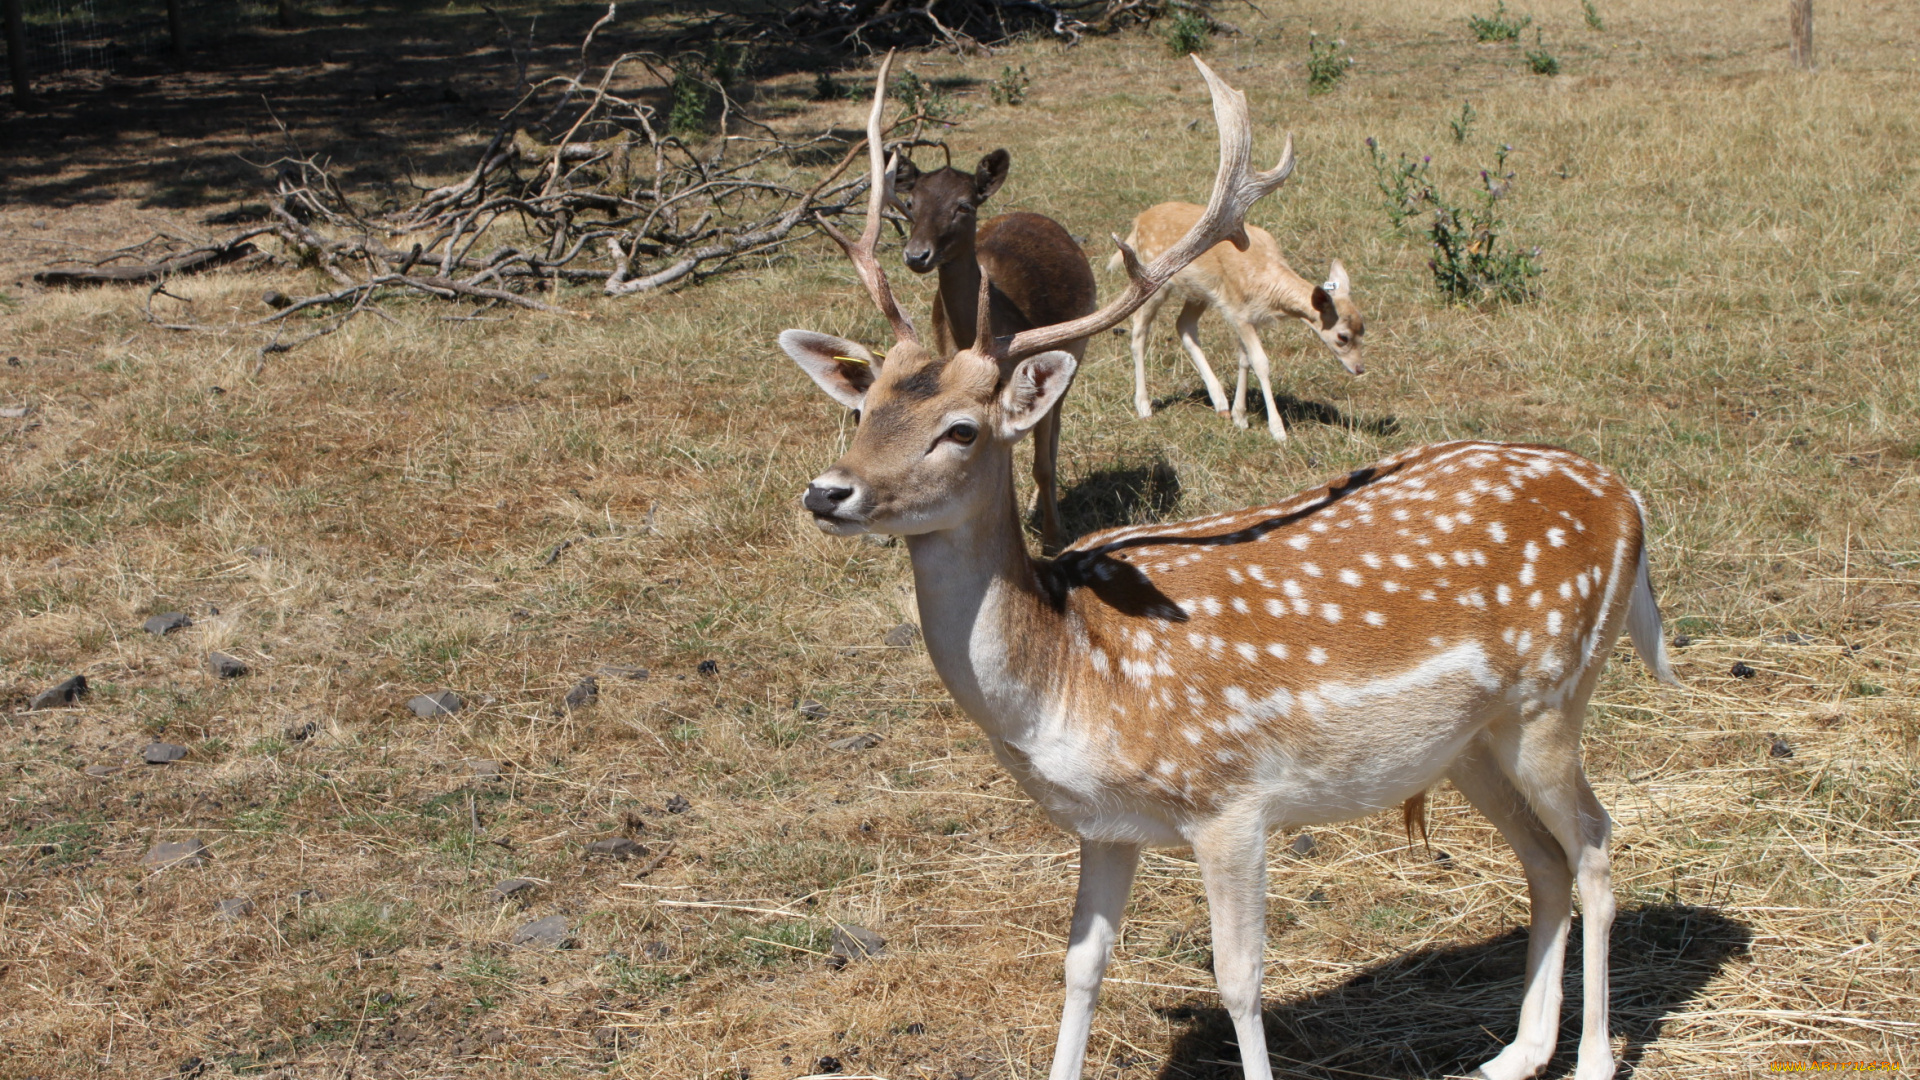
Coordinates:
x,y
1444,1011
1120,495
1293,411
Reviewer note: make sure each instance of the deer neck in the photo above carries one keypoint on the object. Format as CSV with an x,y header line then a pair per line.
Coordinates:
x,y
985,616
1285,292
955,308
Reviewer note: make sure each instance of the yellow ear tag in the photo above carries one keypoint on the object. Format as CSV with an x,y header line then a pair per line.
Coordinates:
x,y
850,359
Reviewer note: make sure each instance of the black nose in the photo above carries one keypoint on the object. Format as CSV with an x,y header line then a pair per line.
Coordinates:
x,y
825,500
919,258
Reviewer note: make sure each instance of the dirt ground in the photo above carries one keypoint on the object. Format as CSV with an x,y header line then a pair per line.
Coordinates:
x,y
506,506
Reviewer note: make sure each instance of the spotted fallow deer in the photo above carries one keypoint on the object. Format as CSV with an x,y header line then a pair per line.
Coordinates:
x,y
1250,289
1444,613
1038,275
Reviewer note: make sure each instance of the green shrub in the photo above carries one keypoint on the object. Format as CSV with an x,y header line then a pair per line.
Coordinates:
x,y
1462,124
1593,15
1402,183
1327,61
1011,87
1468,263
1188,33
1540,60
1499,26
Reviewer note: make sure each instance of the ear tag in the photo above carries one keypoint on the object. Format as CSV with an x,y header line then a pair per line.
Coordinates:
x,y
850,359
1330,287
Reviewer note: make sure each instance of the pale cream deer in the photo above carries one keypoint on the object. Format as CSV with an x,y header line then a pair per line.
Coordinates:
x,y
1251,290
1443,614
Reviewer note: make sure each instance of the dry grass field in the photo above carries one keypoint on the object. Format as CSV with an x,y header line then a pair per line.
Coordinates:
x,y
504,507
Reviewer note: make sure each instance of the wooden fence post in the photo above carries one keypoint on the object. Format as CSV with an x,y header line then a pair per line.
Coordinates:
x,y
1800,27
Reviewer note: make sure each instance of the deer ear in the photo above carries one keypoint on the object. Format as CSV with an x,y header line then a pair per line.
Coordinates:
x,y
1337,277
991,173
1323,305
844,369
1035,387
905,175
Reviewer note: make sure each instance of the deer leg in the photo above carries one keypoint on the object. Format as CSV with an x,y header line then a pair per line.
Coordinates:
x,y
1240,387
1233,864
1142,324
1252,352
1106,877
1046,454
1542,758
1549,900
1189,326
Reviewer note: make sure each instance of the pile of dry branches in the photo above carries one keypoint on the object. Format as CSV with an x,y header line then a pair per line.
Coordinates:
x,y
965,25
616,199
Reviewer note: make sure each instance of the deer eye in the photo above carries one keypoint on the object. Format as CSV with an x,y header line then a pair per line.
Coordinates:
x,y
856,418
963,433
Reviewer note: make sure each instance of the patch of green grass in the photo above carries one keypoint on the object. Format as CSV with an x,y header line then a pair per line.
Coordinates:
x,y
360,923
1591,13
640,977
58,843
781,943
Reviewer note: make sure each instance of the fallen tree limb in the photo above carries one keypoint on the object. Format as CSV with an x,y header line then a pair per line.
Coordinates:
x,y
205,258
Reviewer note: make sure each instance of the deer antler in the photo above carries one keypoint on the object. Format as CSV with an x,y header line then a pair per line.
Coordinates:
x,y
1235,189
879,192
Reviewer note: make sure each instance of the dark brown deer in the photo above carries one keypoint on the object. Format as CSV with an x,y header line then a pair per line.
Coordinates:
x,y
1038,277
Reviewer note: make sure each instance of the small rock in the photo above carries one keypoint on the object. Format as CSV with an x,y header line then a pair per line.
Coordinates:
x,y
1319,896
902,636
709,667
1741,671
1781,748
1303,845
162,625
101,770
1441,857
226,667
162,753
813,709
444,703
827,1065
856,943
233,910
483,768
14,412
306,896
620,671
678,805
261,552
584,693
657,951
515,887
299,733
276,299
618,847
852,743
66,692
1681,641
1790,638
176,853
915,1028
551,932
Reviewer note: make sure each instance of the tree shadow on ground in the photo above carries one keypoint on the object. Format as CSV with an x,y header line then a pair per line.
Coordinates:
x,y
1293,412
1121,495
1444,1011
